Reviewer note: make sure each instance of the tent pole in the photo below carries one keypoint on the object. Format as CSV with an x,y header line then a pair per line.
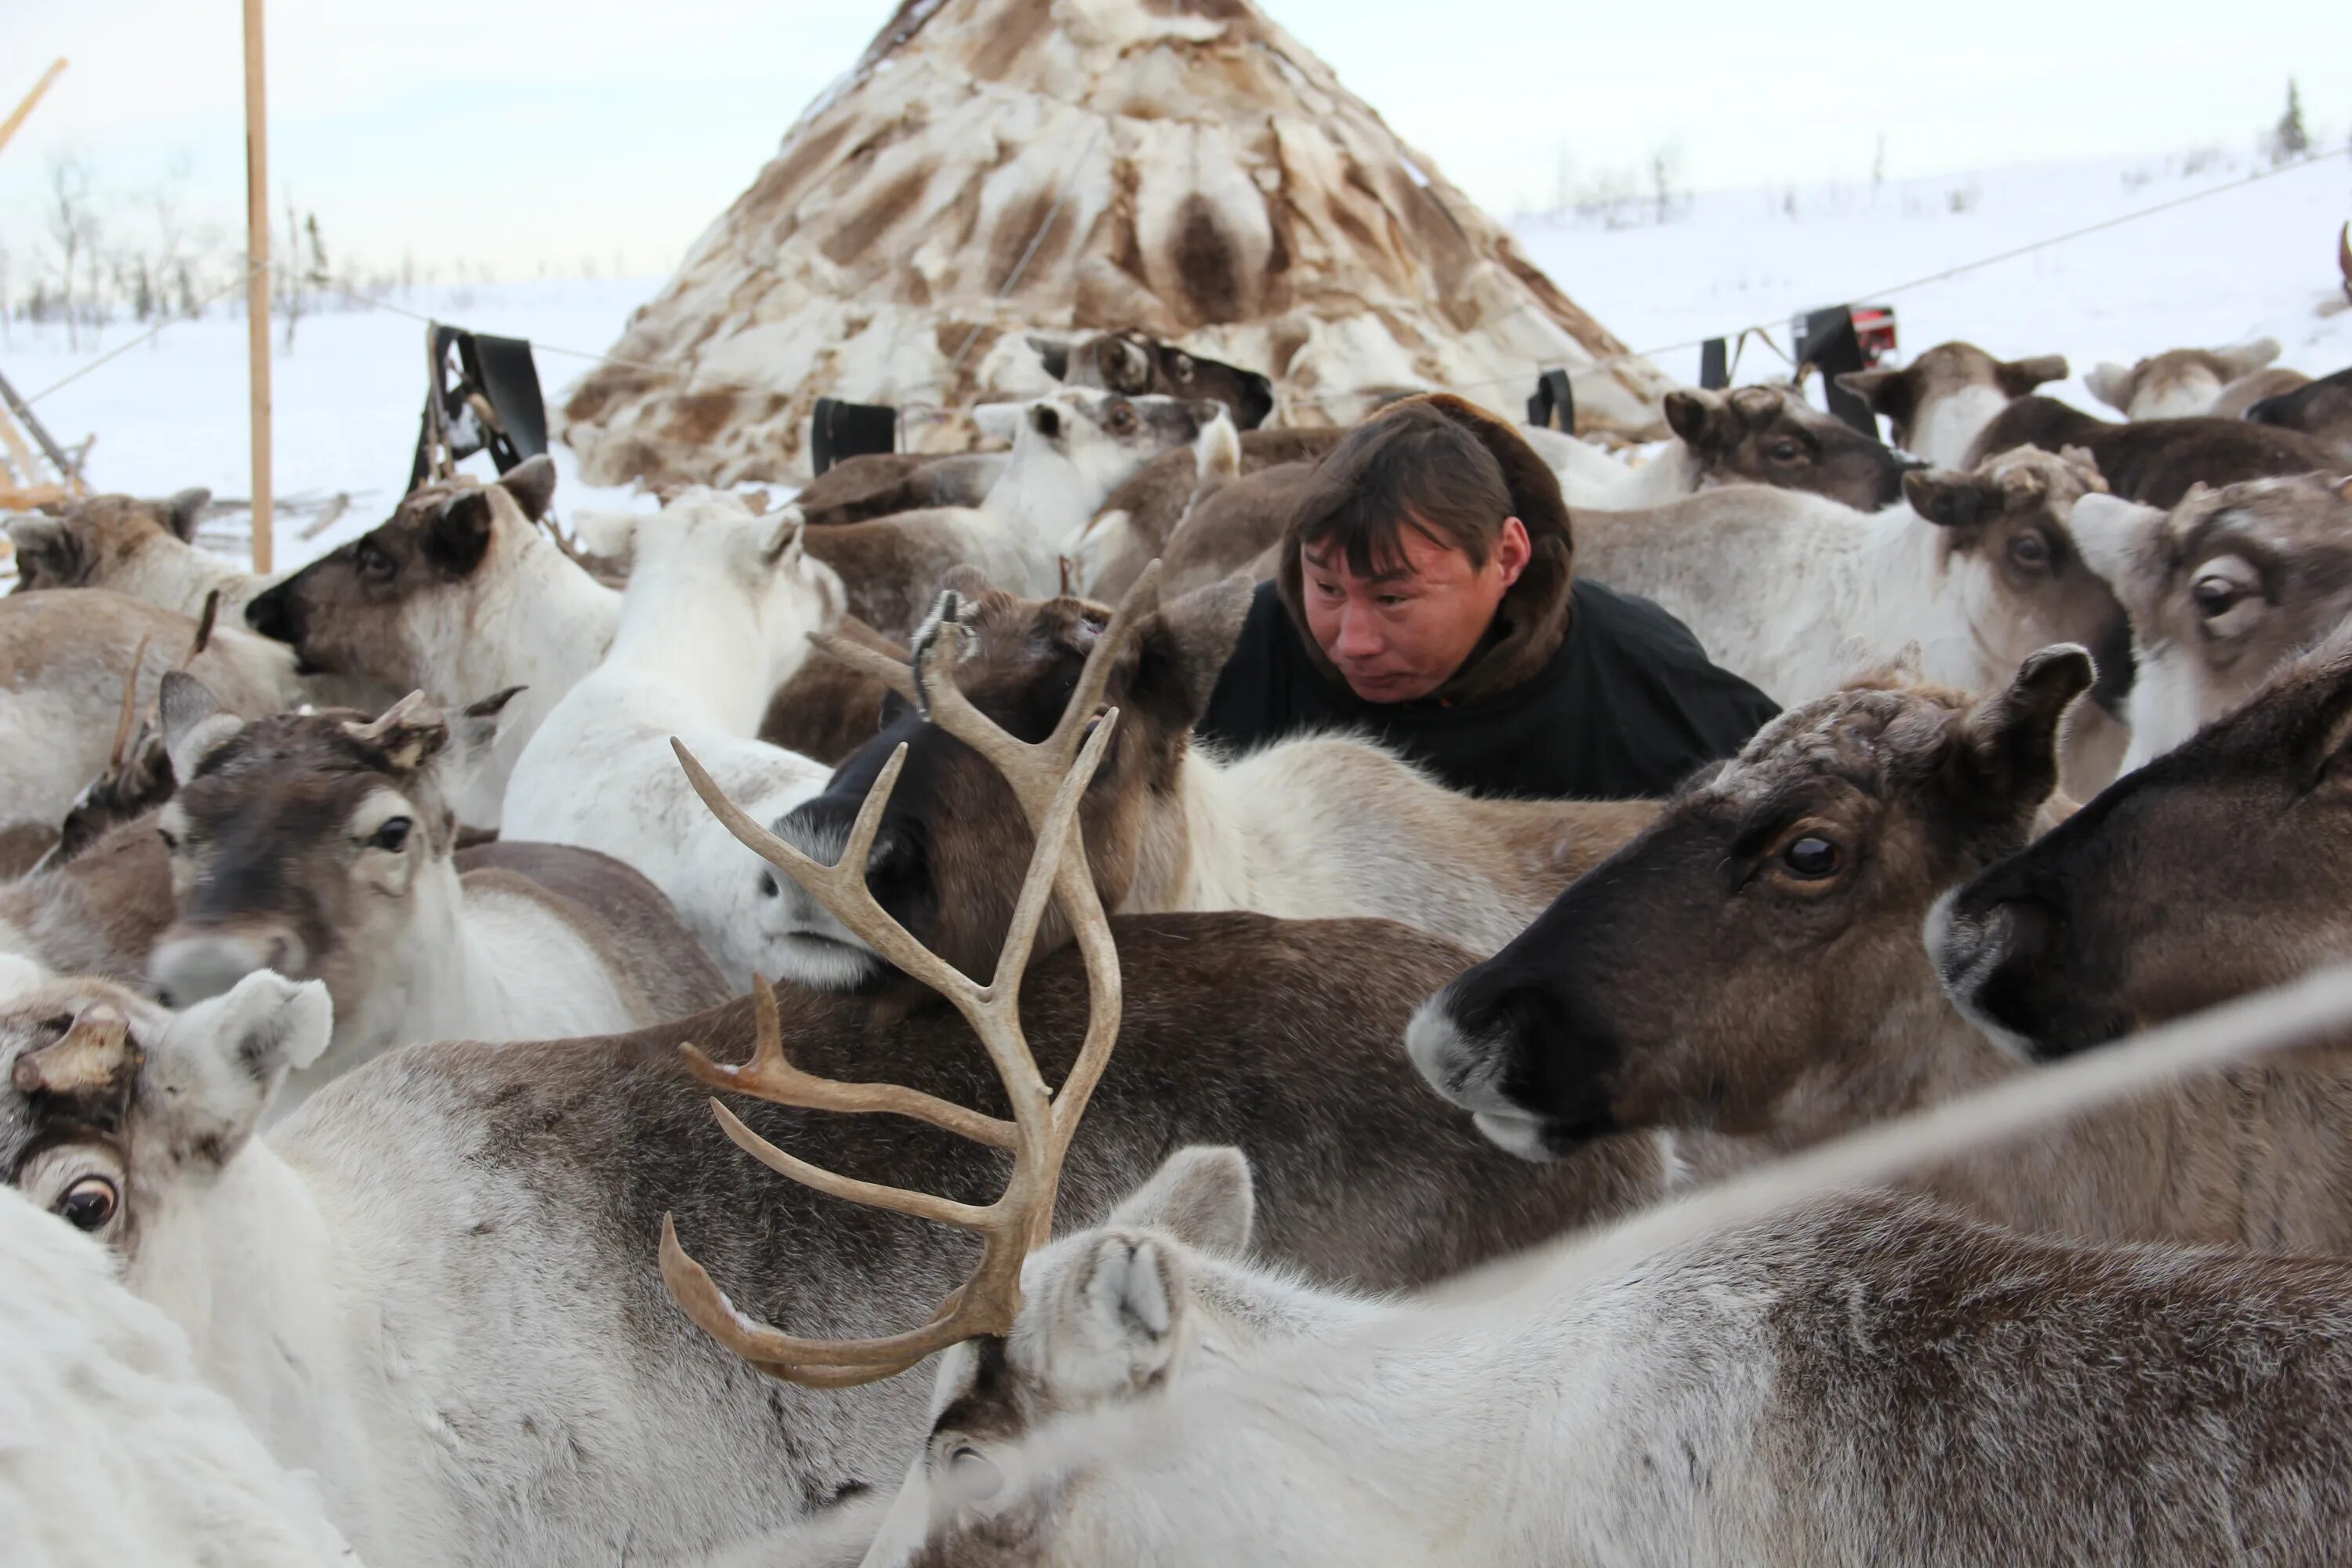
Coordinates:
x,y
256,279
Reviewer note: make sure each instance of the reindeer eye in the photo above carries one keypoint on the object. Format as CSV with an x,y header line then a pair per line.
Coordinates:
x,y
2029,550
1122,419
372,560
1811,859
90,1203
1785,451
976,1477
2215,594
171,840
393,835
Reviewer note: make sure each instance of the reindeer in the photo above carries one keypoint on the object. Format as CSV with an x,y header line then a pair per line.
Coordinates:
x,y
96,914
460,578
1069,452
2322,409
497,1303
69,663
115,1452
1133,526
1791,591
1310,828
145,550
1802,872
1703,1387
1135,363
321,844
715,617
2223,591
2214,870
1957,387
1756,435
2181,383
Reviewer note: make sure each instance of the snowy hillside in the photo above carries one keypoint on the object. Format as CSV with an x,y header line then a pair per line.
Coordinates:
x,y
2246,261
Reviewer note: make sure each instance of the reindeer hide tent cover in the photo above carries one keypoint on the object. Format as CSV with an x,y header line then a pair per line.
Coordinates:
x,y
993,166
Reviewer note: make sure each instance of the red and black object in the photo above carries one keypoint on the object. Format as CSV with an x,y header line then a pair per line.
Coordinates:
x,y
839,429
1842,338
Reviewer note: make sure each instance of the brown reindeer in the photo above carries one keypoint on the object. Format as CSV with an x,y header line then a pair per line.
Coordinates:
x,y
98,913
1957,405
2221,866
145,549
1749,971
2181,383
876,484
2323,409
1311,827
1134,527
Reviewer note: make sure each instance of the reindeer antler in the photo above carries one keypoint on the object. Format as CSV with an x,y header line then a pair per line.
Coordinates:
x,y
1050,779
130,714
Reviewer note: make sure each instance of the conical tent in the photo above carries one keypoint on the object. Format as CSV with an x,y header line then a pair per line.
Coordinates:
x,y
995,167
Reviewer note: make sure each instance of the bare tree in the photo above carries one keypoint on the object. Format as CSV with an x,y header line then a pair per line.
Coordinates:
x,y
74,232
2288,138
1665,175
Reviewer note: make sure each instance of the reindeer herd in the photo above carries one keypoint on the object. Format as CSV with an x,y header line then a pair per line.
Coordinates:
x,y
740,1036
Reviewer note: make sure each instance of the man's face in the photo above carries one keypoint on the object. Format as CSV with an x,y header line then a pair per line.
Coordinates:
x,y
1402,635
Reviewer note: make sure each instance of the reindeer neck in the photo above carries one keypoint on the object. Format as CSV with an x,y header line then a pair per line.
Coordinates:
x,y
1041,491
545,624
433,984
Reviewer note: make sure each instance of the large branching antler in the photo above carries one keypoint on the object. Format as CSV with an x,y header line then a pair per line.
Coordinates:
x,y
1050,779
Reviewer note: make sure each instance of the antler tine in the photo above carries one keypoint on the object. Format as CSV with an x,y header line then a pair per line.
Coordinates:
x,y
891,672
204,638
769,1076
1048,861
129,707
840,886
1035,771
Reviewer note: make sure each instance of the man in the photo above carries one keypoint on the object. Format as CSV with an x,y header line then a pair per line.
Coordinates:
x,y
1425,596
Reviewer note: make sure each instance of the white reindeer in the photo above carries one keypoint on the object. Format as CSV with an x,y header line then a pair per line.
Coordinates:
x,y
1780,1370
716,618
319,847
112,1450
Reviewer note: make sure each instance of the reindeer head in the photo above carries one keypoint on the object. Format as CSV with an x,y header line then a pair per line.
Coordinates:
x,y
1110,1315
1136,363
307,843
2221,866
1771,436
1104,437
112,1109
2179,383
945,861
378,607
1938,404
2321,408
2221,591
2011,559
706,546
98,542
1696,979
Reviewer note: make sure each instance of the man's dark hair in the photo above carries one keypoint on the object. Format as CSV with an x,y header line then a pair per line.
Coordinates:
x,y
1412,467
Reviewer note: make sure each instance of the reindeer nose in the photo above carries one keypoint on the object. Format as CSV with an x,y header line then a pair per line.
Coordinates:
x,y
273,615
190,969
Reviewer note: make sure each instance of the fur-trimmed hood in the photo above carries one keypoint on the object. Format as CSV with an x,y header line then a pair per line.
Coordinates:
x,y
1533,616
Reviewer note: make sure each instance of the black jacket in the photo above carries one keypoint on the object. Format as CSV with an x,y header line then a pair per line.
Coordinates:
x,y
1626,706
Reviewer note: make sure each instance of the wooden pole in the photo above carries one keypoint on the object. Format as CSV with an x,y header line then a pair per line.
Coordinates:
x,y
9,126
257,282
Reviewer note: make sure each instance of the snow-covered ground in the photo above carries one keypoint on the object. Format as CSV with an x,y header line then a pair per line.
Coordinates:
x,y
2244,262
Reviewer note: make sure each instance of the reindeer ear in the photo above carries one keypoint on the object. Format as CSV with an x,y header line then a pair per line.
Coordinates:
x,y
1118,1317
222,1061
1885,390
531,482
410,733
2109,531
460,536
183,513
194,726
2019,377
2111,383
47,553
1045,419
2009,739
2244,359
1181,649
1056,356
1949,499
1703,420
1204,1196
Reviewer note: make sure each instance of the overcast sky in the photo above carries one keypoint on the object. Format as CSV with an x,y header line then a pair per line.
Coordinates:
x,y
556,135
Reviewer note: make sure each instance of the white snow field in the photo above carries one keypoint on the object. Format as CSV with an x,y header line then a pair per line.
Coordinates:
x,y
2245,260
